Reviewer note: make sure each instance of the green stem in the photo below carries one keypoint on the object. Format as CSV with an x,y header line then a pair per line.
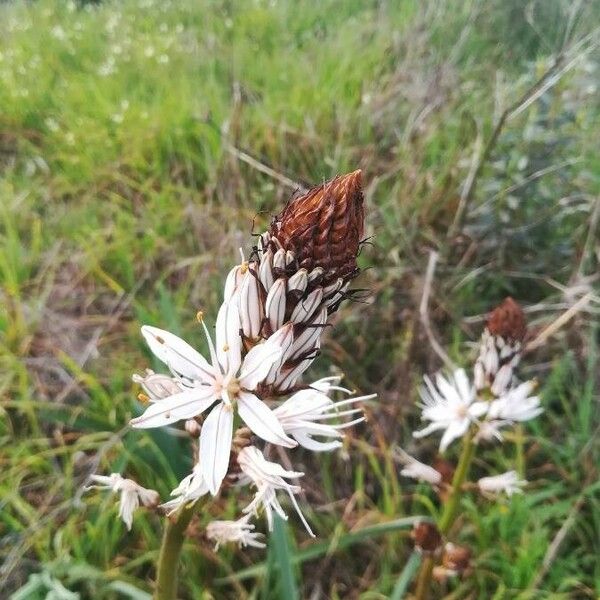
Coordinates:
x,y
460,475
170,550
520,449
449,513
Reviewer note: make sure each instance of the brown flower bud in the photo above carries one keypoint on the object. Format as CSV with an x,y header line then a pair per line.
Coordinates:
x,y
456,558
426,536
507,321
324,227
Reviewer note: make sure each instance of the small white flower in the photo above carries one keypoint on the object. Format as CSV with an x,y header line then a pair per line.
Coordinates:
x,y
227,380
508,482
302,415
187,492
516,404
268,477
416,469
132,494
240,531
450,406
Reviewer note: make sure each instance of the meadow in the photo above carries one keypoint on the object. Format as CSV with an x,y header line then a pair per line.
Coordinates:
x,y
143,142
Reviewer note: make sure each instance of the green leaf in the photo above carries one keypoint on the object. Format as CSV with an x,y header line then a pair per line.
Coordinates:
x,y
284,559
410,568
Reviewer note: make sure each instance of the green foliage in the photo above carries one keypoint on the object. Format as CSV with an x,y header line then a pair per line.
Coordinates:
x,y
121,203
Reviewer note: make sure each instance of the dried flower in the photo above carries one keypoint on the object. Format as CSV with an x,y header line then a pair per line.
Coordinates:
x,y
228,381
416,469
456,559
240,532
187,492
268,477
132,494
509,483
426,536
450,406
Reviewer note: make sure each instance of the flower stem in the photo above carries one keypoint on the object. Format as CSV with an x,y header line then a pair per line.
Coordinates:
x,y
168,558
449,513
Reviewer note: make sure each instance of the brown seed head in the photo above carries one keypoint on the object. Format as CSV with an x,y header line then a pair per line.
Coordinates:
x,y
456,558
508,321
426,536
324,226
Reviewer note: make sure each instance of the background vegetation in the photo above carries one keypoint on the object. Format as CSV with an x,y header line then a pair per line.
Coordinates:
x,y
134,138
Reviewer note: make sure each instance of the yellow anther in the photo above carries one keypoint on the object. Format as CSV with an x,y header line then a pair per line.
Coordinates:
x,y
225,347
243,267
199,316
143,398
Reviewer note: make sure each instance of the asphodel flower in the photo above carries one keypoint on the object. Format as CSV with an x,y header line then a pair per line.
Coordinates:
x,y
500,348
240,532
308,413
268,477
227,381
415,469
190,489
508,482
131,494
300,273
450,405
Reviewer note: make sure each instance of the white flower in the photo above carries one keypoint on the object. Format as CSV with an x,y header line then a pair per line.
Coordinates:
x,y
516,404
187,492
509,483
302,414
240,531
416,469
450,406
268,477
132,494
490,430
226,380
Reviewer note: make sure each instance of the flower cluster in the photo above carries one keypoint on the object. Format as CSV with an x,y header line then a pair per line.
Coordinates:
x,y
474,412
268,331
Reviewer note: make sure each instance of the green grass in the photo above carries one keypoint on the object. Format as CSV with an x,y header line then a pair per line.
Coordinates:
x,y
120,203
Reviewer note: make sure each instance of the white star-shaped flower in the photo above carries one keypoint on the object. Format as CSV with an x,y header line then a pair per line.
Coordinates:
x,y
240,532
132,494
227,380
268,477
517,404
450,406
508,482
303,414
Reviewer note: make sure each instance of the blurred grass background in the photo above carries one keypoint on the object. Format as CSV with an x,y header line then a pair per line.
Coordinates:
x,y
133,141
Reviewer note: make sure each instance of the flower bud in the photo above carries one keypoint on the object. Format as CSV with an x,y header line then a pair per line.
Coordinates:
x,y
500,348
456,558
426,536
507,321
324,227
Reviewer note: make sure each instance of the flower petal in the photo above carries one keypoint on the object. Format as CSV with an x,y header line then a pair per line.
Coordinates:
x,y
215,445
177,354
262,421
184,405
